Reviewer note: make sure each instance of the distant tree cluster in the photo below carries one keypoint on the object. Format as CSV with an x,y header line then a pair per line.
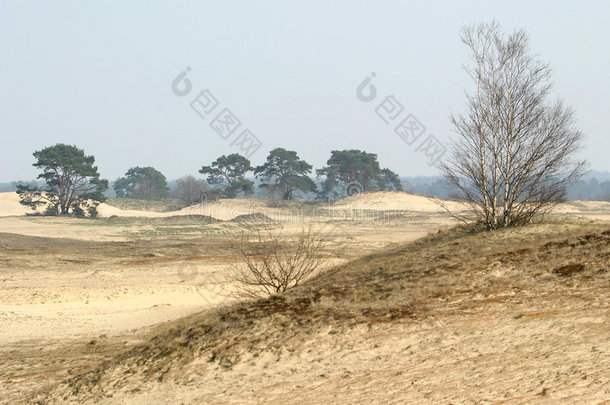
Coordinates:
x,y
73,185
595,187
284,174
593,190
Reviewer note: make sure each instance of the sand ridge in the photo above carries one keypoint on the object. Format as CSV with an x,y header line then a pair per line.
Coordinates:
x,y
228,209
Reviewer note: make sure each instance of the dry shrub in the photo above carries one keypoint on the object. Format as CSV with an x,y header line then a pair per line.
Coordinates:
x,y
569,269
270,263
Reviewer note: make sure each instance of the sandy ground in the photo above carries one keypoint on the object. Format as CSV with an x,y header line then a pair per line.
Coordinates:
x,y
453,360
51,305
48,301
114,298
495,323
51,302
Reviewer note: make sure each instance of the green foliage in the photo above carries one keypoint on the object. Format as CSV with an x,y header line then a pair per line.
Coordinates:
x,y
164,205
78,211
73,182
121,187
285,173
348,167
388,180
145,183
227,174
92,210
51,210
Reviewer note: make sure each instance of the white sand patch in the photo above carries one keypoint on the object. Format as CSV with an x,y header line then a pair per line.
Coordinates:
x,y
9,205
400,201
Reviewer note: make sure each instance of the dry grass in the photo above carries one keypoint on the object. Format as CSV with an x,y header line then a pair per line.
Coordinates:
x,y
27,252
528,273
164,205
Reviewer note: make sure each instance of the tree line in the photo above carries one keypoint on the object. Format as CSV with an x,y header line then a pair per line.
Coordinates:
x,y
74,186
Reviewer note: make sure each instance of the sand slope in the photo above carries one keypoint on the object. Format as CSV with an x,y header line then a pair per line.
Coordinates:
x,y
231,208
9,205
223,209
477,319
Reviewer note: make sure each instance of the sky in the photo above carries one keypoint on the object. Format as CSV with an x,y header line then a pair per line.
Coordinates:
x,y
104,76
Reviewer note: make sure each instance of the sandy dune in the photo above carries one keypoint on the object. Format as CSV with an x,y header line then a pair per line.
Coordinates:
x,y
66,282
9,205
62,295
229,209
484,318
393,201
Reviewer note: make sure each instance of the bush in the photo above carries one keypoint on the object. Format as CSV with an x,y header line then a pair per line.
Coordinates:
x,y
93,212
51,210
269,265
78,211
189,190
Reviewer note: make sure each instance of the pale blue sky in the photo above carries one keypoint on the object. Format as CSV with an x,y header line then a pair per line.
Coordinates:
x,y
98,74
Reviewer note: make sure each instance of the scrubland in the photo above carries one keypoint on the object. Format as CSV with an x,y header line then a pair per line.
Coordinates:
x,y
135,307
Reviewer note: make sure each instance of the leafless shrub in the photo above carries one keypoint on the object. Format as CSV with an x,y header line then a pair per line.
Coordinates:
x,y
271,263
189,190
514,155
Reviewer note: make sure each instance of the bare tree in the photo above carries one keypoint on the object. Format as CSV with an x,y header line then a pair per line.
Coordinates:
x,y
514,155
270,264
189,190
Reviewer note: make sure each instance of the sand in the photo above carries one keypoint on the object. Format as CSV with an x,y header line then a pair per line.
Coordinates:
x,y
48,302
9,205
51,300
229,209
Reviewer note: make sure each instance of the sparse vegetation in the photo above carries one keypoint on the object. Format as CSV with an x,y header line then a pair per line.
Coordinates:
x,y
475,284
163,205
189,190
262,279
271,263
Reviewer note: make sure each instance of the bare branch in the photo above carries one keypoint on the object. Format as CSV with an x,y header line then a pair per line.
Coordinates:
x,y
270,264
514,155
